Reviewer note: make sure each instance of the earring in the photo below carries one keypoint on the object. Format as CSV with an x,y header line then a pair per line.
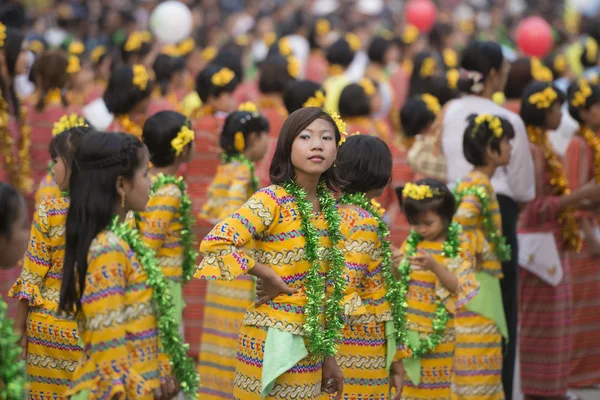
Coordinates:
x,y
123,200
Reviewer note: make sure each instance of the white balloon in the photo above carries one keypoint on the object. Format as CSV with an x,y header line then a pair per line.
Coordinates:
x,y
171,22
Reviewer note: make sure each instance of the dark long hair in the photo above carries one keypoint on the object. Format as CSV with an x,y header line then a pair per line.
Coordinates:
x,y
100,159
241,121
50,72
10,201
12,49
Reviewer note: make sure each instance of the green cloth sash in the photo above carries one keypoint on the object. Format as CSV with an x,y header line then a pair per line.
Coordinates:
x,y
412,366
390,335
283,350
488,302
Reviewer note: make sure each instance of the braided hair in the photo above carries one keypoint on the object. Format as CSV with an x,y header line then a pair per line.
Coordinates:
x,y
100,160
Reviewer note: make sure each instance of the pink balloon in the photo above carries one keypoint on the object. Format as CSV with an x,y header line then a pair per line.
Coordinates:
x,y
421,13
534,37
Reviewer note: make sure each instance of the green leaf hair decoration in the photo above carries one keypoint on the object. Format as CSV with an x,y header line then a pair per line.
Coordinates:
x,y
240,158
190,254
184,367
13,379
501,248
323,331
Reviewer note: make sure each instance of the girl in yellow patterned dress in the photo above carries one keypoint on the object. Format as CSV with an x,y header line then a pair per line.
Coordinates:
x,y
480,326
51,337
290,226
112,280
437,279
244,140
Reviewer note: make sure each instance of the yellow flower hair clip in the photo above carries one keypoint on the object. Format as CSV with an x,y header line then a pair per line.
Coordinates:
x,y
184,137
322,27
248,106
223,77
543,99
591,50
417,192
341,126
428,68
560,63
74,65
68,122
2,34
134,42
410,34
431,102
36,46
539,71
315,101
76,47
239,143
580,97
140,76
353,41
186,46
242,40
452,76
170,50
97,54
285,49
493,123
269,38
293,66
450,58
367,85
209,53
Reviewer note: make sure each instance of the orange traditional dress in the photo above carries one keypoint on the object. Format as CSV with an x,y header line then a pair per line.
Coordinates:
x,y
158,103
123,123
274,111
48,189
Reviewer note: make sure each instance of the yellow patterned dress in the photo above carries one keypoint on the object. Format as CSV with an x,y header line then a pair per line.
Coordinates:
x,y
118,325
362,353
226,301
477,369
48,189
271,218
53,350
425,290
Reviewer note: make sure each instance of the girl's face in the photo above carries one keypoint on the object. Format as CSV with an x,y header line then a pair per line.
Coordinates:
x,y
314,149
13,247
591,116
137,190
429,225
223,103
554,116
61,173
257,146
502,157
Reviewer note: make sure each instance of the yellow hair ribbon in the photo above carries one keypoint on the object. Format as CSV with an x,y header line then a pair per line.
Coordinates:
x,y
184,137
223,77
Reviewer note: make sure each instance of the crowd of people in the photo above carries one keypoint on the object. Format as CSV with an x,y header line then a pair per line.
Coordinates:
x,y
347,206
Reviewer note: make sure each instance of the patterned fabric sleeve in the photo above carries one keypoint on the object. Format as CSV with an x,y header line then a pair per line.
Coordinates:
x,y
468,286
106,313
223,248
161,210
48,189
37,261
237,194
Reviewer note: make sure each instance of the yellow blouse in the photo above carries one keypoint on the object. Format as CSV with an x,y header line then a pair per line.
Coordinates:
x,y
425,289
160,226
362,253
229,190
48,189
271,219
118,325
470,217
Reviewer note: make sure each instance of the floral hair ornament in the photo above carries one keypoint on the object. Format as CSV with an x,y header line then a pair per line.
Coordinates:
x,y
223,77
269,38
322,27
539,71
583,92
36,46
428,68
341,126
97,54
184,137
493,123
315,101
410,34
68,122
452,77
293,68
367,85
140,76
418,192
477,78
543,99
208,54
431,102
239,143
170,50
76,47
450,58
560,63
591,50
285,49
242,40
353,41
74,65
2,34
186,46
249,107
136,39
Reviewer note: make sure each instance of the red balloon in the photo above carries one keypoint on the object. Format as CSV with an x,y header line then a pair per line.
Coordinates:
x,y
421,13
534,37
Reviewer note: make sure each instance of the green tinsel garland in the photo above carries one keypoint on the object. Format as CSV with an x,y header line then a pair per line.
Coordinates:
x,y
12,371
393,290
450,249
173,345
502,250
240,158
190,254
322,341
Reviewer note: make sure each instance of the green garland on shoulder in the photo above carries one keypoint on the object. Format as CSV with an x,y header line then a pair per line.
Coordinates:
x,y
12,370
501,248
393,290
240,158
450,249
322,340
172,343
190,254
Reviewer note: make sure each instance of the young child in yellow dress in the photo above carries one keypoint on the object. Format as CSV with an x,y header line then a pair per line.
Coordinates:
x,y
481,325
437,279
50,337
244,141
293,227
113,282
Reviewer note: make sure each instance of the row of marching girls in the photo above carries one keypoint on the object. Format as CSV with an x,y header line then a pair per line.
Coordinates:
x,y
100,302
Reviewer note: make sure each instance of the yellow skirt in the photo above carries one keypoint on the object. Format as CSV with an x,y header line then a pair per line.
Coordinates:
x,y
301,382
226,304
52,354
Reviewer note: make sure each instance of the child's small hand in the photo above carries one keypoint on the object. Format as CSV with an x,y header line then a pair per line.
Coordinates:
x,y
425,261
